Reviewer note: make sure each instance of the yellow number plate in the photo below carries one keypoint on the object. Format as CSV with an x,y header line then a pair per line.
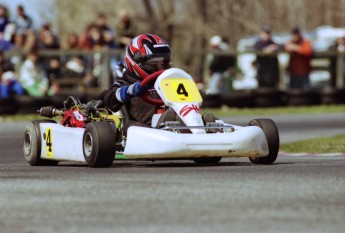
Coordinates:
x,y
49,142
180,90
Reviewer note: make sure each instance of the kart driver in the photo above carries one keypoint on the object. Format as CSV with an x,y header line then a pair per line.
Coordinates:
x,y
146,54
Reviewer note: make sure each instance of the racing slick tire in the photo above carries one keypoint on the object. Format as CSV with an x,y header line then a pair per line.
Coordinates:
x,y
99,143
206,160
272,136
32,143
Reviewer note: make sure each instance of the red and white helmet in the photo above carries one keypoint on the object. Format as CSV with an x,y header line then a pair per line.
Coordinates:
x,y
141,49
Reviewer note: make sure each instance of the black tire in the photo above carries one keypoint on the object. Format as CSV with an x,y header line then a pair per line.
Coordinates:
x,y
206,160
210,100
269,97
99,143
8,106
29,104
332,96
32,144
272,136
238,99
298,97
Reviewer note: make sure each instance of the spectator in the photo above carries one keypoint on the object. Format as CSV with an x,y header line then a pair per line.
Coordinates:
x,y
220,66
19,42
109,40
74,64
125,29
72,42
9,32
23,21
5,45
339,44
8,82
267,62
31,41
96,38
48,41
33,78
3,18
18,47
300,50
101,22
92,38
23,43
108,36
85,38
106,31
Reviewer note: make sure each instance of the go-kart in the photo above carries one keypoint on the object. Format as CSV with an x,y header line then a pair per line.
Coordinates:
x,y
94,135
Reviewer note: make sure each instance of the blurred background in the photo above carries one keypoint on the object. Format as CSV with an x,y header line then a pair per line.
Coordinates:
x,y
51,49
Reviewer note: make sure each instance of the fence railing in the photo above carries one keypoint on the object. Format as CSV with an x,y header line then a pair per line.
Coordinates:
x,y
333,62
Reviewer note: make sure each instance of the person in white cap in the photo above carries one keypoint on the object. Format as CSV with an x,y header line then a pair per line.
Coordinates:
x,y
219,66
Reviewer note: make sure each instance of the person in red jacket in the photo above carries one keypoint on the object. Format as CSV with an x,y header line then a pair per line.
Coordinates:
x,y
300,50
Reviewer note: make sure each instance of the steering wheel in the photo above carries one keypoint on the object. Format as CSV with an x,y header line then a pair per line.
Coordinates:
x,y
151,78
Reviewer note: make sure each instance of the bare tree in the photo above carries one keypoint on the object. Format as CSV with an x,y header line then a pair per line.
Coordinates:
x,y
188,24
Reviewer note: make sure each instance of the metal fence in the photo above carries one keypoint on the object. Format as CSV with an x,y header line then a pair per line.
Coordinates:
x,y
331,92
331,62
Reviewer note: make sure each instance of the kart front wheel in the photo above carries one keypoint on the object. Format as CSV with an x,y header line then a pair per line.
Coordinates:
x,y
32,142
99,143
272,136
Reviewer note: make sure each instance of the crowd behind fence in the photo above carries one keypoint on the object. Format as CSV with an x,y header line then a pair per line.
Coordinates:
x,y
97,70
71,81
87,63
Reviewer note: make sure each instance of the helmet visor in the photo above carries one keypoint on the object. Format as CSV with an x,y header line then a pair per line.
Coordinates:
x,y
156,63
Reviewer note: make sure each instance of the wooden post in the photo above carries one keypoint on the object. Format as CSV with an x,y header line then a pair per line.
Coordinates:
x,y
340,71
105,76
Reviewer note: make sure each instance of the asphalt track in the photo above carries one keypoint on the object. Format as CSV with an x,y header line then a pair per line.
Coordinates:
x,y
296,194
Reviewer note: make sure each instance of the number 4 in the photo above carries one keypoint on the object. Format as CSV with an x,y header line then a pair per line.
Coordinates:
x,y
49,143
181,90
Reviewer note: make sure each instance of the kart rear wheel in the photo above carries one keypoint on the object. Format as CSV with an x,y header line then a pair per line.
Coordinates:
x,y
206,160
32,142
272,136
99,143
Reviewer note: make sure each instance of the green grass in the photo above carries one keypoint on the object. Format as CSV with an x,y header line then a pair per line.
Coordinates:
x,y
226,111
333,144
20,117
319,109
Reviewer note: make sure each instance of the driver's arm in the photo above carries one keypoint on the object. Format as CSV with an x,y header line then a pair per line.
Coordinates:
x,y
125,93
118,94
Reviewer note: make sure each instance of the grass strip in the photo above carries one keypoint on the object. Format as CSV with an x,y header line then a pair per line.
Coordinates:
x,y
318,109
333,144
226,111
20,117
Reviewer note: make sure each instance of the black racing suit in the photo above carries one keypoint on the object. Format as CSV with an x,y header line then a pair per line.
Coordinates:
x,y
138,112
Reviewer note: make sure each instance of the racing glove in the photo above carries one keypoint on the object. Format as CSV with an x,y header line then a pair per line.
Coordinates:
x,y
125,93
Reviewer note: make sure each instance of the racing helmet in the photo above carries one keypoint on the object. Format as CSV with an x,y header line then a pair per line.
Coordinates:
x,y
143,53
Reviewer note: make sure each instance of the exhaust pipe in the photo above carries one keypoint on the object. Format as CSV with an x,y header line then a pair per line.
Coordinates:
x,y
50,112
